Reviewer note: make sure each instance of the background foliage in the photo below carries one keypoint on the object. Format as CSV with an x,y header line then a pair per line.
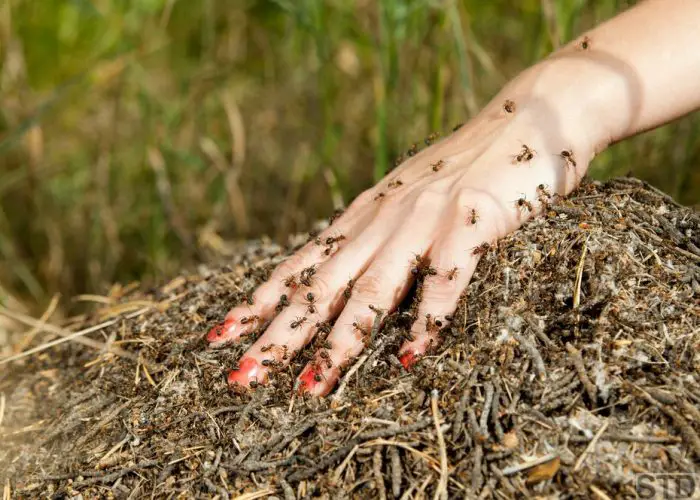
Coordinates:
x,y
136,135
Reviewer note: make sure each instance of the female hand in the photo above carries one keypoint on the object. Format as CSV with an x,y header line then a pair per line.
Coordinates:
x,y
433,214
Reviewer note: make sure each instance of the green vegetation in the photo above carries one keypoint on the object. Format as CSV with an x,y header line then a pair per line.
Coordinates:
x,y
136,135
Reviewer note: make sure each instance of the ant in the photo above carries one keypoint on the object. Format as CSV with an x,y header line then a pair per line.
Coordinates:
x,y
452,273
306,274
323,327
526,154
311,309
336,213
326,344
284,302
249,319
395,184
334,239
297,322
413,150
266,347
457,127
481,249
347,293
290,281
523,203
568,157
437,166
419,265
509,106
430,271
379,197
431,138
473,217
585,43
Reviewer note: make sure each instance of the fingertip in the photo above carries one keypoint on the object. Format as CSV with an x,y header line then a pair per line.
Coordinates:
x,y
313,381
408,359
249,373
223,332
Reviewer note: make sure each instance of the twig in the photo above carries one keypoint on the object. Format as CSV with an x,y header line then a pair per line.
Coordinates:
x,y
590,446
67,336
396,470
441,490
377,471
577,361
287,489
113,476
330,459
687,432
534,354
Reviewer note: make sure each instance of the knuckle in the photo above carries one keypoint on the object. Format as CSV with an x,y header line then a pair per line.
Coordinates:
x,y
370,285
426,200
439,289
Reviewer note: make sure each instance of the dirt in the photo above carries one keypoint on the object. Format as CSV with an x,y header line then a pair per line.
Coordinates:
x,y
571,367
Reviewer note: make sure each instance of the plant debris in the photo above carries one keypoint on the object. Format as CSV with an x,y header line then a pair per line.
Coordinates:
x,y
572,364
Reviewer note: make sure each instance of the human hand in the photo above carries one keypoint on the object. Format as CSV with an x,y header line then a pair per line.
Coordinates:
x,y
434,217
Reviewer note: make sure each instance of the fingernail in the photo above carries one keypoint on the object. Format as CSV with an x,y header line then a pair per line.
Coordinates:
x,y
249,370
408,359
309,379
223,331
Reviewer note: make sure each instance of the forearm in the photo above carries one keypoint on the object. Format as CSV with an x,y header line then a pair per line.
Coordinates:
x,y
632,73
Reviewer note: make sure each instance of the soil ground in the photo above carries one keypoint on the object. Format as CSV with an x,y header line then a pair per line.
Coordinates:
x,y
571,367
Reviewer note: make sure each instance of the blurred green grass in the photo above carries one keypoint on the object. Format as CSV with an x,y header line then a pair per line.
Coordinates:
x,y
136,135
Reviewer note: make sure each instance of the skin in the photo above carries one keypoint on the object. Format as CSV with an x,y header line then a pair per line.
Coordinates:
x,y
534,140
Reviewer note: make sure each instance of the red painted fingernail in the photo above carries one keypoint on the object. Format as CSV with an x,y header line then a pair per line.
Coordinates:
x,y
309,379
249,370
408,359
223,331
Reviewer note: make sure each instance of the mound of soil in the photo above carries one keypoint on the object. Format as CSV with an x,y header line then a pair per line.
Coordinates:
x,y
572,366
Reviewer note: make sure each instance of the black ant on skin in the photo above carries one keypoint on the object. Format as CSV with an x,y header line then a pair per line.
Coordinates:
x,y
431,138
306,274
526,154
347,293
379,196
290,281
509,106
473,217
437,166
481,249
311,307
298,321
284,302
585,43
395,183
249,319
522,203
568,158
452,273
336,213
